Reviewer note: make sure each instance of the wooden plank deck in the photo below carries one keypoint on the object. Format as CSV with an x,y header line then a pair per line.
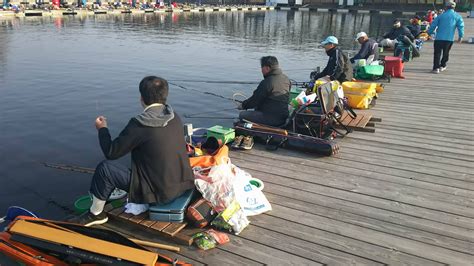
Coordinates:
x,y
401,195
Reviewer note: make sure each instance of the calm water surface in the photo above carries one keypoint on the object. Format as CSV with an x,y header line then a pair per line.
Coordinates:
x,y
58,74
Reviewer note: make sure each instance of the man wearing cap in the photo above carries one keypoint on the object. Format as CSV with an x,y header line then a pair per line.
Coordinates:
x,y
338,67
390,38
445,26
368,47
270,99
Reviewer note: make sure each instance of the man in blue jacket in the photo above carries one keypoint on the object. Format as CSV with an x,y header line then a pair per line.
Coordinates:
x,y
445,26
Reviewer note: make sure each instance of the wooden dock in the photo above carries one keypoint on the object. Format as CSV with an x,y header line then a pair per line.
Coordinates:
x,y
401,195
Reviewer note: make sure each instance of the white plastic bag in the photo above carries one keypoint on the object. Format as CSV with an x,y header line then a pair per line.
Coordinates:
x,y
251,200
218,188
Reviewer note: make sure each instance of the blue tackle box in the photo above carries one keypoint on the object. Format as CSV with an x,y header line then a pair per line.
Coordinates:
x,y
174,211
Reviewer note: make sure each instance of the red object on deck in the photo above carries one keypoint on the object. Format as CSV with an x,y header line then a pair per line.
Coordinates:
x,y
394,66
56,3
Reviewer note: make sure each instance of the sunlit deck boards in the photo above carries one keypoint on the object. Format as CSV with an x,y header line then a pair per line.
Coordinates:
x,y
401,195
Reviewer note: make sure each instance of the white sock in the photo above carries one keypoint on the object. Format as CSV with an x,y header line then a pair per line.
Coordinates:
x,y
97,205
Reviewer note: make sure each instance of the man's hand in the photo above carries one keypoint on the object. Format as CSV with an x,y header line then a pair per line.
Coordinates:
x,y
460,40
239,107
100,122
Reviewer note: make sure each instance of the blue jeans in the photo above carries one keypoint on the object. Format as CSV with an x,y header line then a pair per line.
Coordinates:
x,y
109,175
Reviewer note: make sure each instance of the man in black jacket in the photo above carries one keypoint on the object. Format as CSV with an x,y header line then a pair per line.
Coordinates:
x,y
415,27
338,66
160,169
398,31
368,47
270,99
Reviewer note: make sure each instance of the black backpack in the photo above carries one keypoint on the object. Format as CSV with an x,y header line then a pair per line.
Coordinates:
x,y
319,119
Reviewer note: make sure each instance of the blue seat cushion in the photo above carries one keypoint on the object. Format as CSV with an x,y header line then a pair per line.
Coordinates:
x,y
178,205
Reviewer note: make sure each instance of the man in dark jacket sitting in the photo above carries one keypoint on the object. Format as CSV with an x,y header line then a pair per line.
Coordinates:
x,y
415,27
397,31
270,99
160,169
368,47
338,67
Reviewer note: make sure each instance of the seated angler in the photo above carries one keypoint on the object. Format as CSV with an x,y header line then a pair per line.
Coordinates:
x,y
160,170
396,33
338,66
270,99
368,48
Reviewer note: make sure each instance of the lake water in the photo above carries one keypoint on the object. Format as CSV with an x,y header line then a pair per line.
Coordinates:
x,y
58,74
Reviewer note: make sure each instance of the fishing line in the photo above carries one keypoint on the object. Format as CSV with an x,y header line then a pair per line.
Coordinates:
x,y
202,92
214,117
215,81
196,115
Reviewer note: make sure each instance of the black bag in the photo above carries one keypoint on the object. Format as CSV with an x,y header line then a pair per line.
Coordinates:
x,y
274,140
320,118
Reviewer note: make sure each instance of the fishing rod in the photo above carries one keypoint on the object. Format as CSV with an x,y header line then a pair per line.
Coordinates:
x,y
215,117
196,115
204,92
214,81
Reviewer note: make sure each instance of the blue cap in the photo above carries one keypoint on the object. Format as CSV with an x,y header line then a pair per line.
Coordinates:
x,y
330,39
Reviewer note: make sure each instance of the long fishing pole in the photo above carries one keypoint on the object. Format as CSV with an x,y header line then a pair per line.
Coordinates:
x,y
204,92
215,117
195,115
214,81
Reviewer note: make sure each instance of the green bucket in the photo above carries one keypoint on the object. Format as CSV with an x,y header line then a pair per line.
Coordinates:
x,y
84,203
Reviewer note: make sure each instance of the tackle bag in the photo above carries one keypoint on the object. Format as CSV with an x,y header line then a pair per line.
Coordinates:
x,y
274,140
25,254
201,213
93,246
320,118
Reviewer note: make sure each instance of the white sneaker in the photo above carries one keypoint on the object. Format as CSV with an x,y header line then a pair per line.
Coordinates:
x,y
435,71
442,69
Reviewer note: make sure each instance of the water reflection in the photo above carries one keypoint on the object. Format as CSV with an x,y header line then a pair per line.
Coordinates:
x,y
58,74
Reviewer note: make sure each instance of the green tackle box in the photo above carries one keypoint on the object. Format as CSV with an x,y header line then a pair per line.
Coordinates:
x,y
225,134
368,72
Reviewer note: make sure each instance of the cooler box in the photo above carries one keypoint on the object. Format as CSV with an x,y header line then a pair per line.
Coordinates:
x,y
368,72
225,134
359,94
394,66
172,212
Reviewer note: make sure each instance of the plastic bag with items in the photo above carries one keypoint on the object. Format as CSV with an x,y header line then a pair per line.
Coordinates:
x,y
225,183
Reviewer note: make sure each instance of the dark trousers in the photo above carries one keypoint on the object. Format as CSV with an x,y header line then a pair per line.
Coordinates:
x,y
109,175
441,48
261,118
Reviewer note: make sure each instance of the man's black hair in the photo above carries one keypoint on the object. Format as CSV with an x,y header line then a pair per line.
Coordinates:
x,y
154,90
269,61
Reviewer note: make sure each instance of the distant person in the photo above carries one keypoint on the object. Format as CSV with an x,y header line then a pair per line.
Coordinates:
x,y
445,26
338,66
429,17
270,99
160,169
415,26
368,48
397,32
